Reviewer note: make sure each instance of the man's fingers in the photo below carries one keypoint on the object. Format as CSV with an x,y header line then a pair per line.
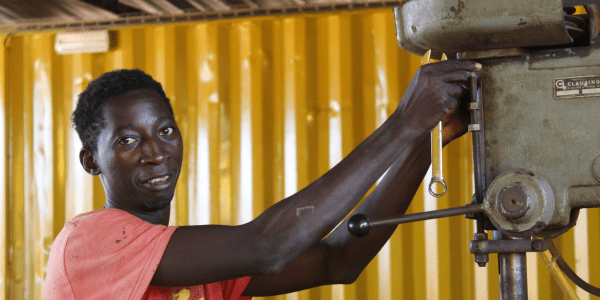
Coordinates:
x,y
456,76
454,90
450,105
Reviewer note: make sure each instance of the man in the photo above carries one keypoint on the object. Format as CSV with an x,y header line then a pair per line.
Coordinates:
x,y
126,251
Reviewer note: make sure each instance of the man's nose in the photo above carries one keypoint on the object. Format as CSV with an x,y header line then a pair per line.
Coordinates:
x,y
153,152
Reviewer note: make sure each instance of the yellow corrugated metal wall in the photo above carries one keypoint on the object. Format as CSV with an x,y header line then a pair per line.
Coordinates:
x,y
266,105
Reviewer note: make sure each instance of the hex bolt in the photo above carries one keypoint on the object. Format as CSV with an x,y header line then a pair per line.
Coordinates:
x,y
482,258
536,245
512,201
539,226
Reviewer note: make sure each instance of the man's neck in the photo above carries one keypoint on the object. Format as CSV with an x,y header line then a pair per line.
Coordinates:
x,y
159,217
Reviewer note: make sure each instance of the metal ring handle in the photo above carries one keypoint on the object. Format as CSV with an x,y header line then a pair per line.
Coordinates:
x,y
437,180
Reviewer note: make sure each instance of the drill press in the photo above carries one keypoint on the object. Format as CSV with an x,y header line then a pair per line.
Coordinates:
x,y
534,113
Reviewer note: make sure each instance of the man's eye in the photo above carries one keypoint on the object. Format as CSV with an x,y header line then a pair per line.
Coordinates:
x,y
167,131
127,140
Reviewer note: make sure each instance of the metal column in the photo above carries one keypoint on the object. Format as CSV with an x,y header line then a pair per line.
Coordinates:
x,y
513,273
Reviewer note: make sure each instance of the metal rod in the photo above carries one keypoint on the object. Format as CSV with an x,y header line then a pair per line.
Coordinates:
x,y
513,273
513,276
435,214
476,129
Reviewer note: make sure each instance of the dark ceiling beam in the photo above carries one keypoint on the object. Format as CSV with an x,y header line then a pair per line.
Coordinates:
x,y
16,12
214,5
197,5
182,4
154,7
250,3
113,6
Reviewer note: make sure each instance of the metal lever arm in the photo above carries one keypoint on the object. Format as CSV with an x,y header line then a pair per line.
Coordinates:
x,y
508,246
359,225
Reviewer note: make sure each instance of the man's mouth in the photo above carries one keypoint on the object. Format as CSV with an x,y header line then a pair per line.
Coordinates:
x,y
155,180
158,184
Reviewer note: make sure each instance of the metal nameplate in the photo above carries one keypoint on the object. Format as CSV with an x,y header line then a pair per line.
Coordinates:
x,y
577,87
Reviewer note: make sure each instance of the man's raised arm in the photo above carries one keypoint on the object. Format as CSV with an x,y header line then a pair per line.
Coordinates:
x,y
286,231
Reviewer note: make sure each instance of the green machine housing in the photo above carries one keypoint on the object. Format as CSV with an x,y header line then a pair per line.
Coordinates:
x,y
536,128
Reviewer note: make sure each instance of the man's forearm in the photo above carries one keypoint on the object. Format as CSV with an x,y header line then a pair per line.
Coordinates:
x,y
332,196
391,197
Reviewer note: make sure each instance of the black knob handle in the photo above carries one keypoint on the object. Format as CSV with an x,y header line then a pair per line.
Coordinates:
x,y
359,225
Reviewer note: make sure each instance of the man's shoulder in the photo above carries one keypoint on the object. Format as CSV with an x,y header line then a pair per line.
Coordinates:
x,y
110,230
108,252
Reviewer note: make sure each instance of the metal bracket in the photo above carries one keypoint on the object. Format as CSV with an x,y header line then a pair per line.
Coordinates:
x,y
508,246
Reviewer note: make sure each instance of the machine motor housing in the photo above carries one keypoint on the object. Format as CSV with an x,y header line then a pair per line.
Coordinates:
x,y
539,94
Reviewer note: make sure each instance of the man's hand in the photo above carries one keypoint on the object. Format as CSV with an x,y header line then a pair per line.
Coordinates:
x,y
456,123
434,95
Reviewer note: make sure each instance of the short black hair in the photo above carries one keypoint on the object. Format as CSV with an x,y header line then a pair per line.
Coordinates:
x,y
88,118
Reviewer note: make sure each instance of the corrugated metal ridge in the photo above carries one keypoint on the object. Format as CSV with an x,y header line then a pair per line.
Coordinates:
x,y
200,16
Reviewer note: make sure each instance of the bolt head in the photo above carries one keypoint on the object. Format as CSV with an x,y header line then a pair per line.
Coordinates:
x,y
480,236
536,245
512,201
482,259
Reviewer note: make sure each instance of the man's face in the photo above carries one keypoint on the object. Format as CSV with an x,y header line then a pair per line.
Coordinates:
x,y
139,152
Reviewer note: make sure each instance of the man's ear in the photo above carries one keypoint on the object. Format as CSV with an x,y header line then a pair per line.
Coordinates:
x,y
86,158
